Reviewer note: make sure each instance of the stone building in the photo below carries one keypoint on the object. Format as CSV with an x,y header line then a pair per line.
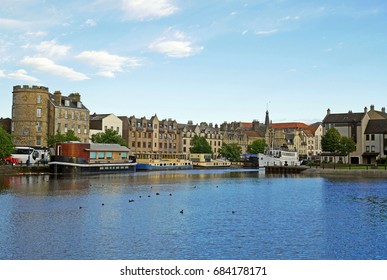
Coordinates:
x,y
243,133
212,134
6,124
37,113
152,135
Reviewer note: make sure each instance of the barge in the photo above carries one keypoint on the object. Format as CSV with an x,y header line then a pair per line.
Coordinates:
x,y
76,157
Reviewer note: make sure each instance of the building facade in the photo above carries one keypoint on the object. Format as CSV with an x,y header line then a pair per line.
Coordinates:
x,y
366,128
36,114
99,123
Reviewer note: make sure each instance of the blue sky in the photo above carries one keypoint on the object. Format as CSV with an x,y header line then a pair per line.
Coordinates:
x,y
199,60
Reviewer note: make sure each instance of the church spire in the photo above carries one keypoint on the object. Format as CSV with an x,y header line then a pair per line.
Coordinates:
x,y
267,119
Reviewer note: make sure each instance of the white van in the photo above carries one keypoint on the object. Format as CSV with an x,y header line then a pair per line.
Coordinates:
x,y
23,154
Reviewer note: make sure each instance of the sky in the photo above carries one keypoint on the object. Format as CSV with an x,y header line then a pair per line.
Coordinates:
x,y
199,60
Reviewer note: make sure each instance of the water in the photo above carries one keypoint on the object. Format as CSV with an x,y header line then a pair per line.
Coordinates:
x,y
226,215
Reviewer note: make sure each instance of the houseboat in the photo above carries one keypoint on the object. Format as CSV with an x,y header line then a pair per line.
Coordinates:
x,y
155,162
277,157
207,162
76,157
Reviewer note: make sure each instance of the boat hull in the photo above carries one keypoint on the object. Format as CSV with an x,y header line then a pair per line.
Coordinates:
x,y
151,167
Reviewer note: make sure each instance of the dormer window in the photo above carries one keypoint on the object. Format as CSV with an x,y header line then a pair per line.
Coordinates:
x,y
79,104
67,103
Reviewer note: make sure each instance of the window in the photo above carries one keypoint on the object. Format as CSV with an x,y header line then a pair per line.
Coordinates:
x,y
39,112
38,99
72,115
118,129
109,155
101,155
85,129
372,137
38,127
67,103
79,116
38,140
93,155
372,149
66,114
123,155
79,129
65,128
367,149
79,104
155,126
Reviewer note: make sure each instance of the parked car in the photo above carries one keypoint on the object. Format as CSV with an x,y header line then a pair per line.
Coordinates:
x,y
10,160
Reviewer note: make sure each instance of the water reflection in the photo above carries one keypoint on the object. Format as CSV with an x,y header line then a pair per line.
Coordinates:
x,y
227,214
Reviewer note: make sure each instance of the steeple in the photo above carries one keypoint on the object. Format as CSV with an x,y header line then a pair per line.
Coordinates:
x,y
267,119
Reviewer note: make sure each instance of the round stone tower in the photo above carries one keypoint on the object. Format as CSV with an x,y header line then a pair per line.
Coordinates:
x,y
30,115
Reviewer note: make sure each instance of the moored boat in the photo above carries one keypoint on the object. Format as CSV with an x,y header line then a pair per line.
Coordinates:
x,y
76,157
277,157
207,162
155,162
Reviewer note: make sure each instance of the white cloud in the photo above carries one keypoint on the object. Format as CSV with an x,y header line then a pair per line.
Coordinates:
x,y
175,44
51,48
90,22
2,75
148,9
108,64
12,23
290,18
266,32
48,66
21,74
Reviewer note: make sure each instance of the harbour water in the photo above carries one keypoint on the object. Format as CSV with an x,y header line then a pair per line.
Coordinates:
x,y
192,215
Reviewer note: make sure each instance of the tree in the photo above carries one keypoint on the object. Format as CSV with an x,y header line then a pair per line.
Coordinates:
x,y
110,136
257,147
347,146
231,151
6,145
200,146
59,138
330,142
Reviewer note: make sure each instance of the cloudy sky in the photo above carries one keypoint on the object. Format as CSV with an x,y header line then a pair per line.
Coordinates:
x,y
200,60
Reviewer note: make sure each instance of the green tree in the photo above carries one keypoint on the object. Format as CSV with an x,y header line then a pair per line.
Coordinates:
x,y
231,151
200,146
110,136
6,145
330,142
347,146
59,138
257,147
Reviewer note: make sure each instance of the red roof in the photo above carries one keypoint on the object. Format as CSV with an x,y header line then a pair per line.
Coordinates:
x,y
291,125
246,125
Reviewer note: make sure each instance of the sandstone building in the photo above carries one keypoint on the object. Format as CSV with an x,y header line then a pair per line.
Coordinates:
x,y
37,113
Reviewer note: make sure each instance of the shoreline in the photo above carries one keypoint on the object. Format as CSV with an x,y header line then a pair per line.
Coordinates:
x,y
9,170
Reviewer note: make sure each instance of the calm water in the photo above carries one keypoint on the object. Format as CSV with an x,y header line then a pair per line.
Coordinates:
x,y
227,215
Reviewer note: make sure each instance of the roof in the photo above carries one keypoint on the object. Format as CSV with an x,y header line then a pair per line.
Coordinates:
x,y
376,127
344,118
98,117
108,148
290,125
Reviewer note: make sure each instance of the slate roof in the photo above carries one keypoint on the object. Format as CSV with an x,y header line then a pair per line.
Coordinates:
x,y
344,118
376,127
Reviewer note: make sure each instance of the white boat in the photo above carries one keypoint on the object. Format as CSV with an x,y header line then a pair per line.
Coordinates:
x,y
273,157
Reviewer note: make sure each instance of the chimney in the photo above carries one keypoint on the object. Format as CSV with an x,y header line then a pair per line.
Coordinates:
x,y
328,112
383,109
372,107
75,97
365,109
58,97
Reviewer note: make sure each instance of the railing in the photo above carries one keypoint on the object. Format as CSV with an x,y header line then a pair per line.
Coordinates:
x,y
354,166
